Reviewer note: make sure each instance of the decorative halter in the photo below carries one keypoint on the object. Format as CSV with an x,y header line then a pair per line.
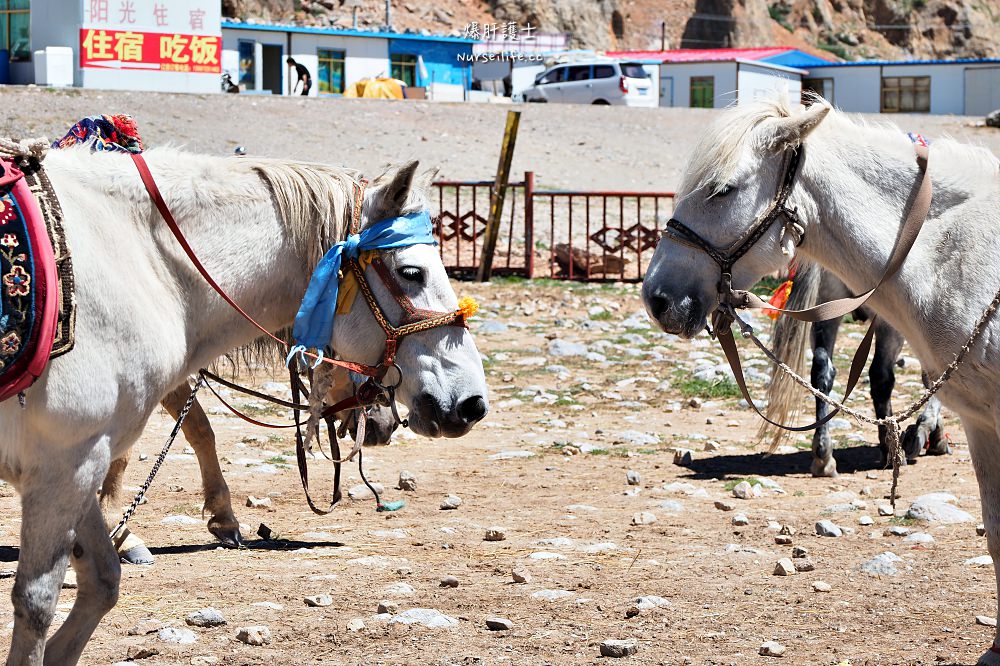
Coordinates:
x,y
727,257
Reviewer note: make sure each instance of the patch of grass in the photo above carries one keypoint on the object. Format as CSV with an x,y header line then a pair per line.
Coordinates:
x,y
836,49
599,452
732,483
565,402
799,493
903,520
603,315
276,460
779,13
647,452
691,387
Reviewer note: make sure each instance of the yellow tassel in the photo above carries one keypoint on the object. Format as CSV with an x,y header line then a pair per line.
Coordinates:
x,y
468,306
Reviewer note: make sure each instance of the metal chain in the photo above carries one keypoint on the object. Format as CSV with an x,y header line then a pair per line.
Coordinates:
x,y
159,459
890,422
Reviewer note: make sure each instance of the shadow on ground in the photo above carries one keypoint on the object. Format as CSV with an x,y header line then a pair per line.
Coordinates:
x,y
10,553
851,459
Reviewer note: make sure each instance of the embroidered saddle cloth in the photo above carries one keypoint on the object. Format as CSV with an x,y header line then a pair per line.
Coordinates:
x,y
36,276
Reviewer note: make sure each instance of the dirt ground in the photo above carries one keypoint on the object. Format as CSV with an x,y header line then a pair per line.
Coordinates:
x,y
577,425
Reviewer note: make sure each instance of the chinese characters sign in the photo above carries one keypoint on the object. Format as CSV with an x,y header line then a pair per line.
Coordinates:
x,y
125,49
158,35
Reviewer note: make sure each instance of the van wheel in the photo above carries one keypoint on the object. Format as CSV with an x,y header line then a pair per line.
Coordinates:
x,y
538,100
601,102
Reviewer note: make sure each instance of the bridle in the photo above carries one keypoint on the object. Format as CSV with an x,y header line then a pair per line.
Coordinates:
x,y
727,257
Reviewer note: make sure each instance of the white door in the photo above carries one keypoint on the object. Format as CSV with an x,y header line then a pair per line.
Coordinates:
x,y
666,91
982,90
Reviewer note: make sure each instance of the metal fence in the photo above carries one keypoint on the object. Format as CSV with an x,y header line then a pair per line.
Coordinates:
x,y
560,234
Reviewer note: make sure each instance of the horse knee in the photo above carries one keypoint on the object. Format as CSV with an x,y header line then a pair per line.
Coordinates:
x,y
35,604
823,370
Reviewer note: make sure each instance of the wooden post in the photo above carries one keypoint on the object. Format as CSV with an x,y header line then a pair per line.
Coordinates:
x,y
498,195
529,224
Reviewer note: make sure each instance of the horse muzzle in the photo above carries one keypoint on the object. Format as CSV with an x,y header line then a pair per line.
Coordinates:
x,y
429,417
684,316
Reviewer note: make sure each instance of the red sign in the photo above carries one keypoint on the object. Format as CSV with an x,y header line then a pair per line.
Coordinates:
x,y
125,49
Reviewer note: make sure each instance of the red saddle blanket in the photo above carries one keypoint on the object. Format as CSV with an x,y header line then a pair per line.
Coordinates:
x,y
31,297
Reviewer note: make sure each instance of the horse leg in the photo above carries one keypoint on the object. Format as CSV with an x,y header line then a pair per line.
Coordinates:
x,y
131,549
56,491
882,375
984,444
198,432
930,419
824,336
98,573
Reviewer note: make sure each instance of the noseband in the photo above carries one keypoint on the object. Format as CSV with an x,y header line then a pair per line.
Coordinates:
x,y
725,258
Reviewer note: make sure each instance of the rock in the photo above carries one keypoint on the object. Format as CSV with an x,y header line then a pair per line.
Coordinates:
x,y
981,561
451,502
425,617
357,624
771,649
883,564
499,624
712,445
254,635
581,259
885,510
803,565
986,621
740,520
206,617
563,348
743,490
643,518
671,506
783,540
694,403
724,506
319,601
865,521
784,567
177,635
407,481
145,626
258,502
799,551
633,478
683,457
617,649
399,590
896,530
511,455
637,438
363,492
937,508
821,586
828,529
495,534
449,581
786,530
980,530
650,602
386,606
551,595
919,537
520,575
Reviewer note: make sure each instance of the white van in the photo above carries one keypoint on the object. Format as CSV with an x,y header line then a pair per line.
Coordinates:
x,y
599,82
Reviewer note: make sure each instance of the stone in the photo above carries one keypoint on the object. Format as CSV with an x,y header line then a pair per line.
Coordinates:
x,y
318,601
177,635
938,508
896,530
828,529
784,567
804,565
771,649
451,502
980,530
551,595
386,606
617,649
865,521
449,581
986,621
740,520
206,617
520,575
511,455
363,492
799,551
145,626
399,590
724,506
885,510
499,624
633,478
683,457
981,561
563,348
821,586
258,502
786,530
407,481
643,518
495,534
254,635
783,540
883,564
919,537
650,602
425,617
356,624
743,490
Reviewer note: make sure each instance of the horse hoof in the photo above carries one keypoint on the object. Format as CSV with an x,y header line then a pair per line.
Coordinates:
x,y
827,468
137,555
230,537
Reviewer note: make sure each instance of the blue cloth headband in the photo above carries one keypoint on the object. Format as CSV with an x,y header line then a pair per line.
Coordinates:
x,y
314,322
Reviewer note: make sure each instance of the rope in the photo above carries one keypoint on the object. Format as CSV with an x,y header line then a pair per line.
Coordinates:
x,y
28,147
129,512
892,422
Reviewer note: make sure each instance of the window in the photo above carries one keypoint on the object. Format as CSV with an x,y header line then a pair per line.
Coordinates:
x,y
634,70
248,64
702,92
331,71
603,71
553,76
15,28
404,67
822,87
579,73
906,94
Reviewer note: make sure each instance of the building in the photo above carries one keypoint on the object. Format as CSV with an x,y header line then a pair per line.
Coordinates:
x,y
715,78
254,55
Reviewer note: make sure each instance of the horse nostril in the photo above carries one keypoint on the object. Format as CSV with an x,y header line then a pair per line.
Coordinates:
x,y
472,409
657,305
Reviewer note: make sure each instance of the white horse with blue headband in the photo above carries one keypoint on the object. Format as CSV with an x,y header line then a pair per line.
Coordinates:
x,y
146,320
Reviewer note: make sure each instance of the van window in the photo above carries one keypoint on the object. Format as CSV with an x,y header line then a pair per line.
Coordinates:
x,y
634,70
579,73
552,76
604,71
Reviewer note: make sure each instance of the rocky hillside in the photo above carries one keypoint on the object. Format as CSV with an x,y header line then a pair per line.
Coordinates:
x,y
850,29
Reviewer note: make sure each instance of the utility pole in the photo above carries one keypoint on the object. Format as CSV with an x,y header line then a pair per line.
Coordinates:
x,y
663,35
388,15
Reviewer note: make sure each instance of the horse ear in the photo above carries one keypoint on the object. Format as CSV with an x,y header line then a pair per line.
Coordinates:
x,y
394,190
425,179
792,131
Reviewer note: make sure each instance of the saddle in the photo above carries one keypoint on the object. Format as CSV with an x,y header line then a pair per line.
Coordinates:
x,y
37,316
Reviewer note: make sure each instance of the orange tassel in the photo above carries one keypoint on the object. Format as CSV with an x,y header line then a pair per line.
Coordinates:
x,y
468,306
779,298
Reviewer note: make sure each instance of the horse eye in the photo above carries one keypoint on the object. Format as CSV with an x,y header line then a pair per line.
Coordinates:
x,y
411,274
722,191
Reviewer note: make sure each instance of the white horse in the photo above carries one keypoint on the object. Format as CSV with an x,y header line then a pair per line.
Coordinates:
x,y
852,190
146,320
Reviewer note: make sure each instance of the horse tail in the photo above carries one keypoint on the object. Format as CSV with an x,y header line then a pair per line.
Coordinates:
x,y
790,339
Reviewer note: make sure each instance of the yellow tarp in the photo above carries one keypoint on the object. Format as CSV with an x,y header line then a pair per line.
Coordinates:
x,y
381,88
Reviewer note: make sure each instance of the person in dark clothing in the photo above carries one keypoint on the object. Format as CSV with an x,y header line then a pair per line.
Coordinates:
x,y
303,76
